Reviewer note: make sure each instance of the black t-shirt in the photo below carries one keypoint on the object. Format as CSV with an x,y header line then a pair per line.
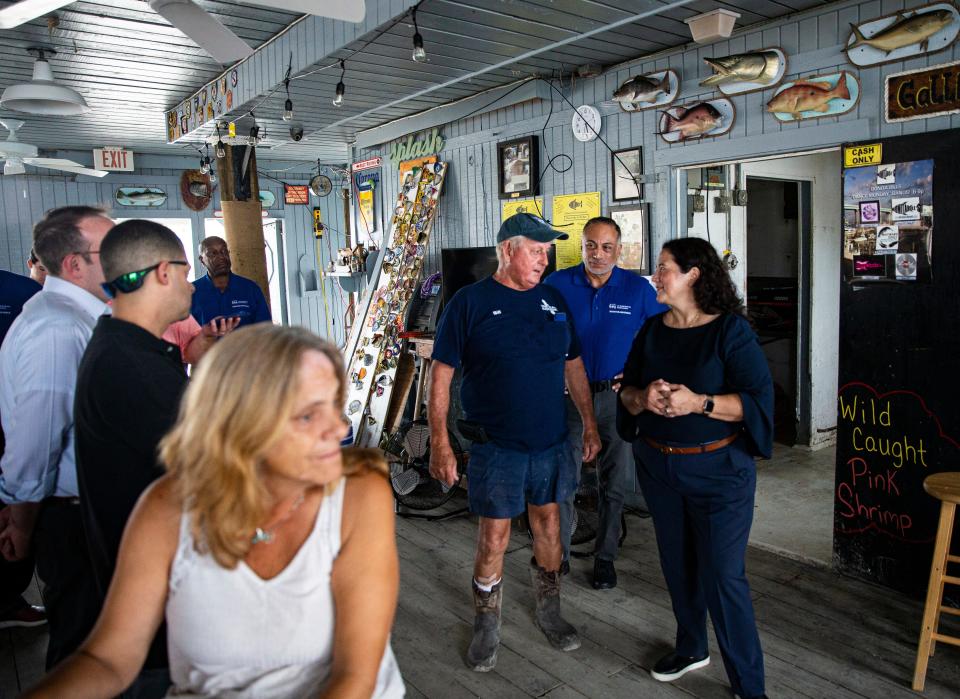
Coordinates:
x,y
128,392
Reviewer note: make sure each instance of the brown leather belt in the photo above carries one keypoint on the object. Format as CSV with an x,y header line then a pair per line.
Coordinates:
x,y
699,449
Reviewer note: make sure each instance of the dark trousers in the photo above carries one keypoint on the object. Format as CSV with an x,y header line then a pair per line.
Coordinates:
x,y
612,464
15,577
63,564
702,508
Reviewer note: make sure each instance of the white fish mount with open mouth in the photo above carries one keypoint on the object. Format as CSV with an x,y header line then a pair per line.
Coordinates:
x,y
740,73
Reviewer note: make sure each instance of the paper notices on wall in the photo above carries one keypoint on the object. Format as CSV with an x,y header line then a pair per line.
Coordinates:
x,y
509,207
570,212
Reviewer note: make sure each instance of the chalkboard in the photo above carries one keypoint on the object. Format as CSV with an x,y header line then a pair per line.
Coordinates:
x,y
898,409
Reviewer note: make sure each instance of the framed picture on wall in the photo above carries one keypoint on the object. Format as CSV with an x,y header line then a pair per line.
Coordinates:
x,y
518,167
634,234
627,164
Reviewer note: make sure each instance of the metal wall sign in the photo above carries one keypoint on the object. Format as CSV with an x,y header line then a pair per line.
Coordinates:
x,y
921,94
369,164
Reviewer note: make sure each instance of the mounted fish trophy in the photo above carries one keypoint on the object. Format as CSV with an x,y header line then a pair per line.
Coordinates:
x,y
814,97
746,72
905,34
713,118
648,91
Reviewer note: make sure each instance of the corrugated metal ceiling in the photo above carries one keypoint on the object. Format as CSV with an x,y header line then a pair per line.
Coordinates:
x,y
130,64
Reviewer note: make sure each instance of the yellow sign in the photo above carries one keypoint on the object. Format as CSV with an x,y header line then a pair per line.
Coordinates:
x,y
570,212
317,222
521,206
863,155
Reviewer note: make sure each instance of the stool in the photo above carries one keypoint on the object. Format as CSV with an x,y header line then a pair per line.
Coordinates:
x,y
946,488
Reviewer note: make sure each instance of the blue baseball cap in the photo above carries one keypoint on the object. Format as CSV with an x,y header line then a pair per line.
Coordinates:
x,y
529,226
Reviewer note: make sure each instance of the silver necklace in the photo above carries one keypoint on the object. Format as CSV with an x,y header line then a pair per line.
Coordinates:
x,y
266,534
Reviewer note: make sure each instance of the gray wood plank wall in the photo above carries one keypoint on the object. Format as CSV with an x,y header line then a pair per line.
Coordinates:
x,y
24,199
469,212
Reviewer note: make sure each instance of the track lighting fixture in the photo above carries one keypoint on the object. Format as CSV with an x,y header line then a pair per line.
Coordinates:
x,y
419,53
338,98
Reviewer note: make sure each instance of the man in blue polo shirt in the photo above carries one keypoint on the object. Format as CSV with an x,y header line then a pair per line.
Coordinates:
x,y
222,294
514,342
609,304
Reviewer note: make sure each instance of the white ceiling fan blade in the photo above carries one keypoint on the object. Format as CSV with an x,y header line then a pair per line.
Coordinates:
x,y
21,12
65,165
345,10
222,44
13,166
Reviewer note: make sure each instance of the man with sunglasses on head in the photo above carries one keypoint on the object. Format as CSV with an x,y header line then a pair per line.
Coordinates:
x,y
223,294
128,392
38,373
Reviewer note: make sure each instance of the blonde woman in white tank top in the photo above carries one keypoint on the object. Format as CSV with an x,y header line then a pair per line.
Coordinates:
x,y
271,553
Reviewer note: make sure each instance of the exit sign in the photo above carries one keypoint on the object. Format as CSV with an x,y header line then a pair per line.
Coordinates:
x,y
112,158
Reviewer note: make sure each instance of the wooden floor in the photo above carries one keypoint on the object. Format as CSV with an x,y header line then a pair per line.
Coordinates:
x,y
823,635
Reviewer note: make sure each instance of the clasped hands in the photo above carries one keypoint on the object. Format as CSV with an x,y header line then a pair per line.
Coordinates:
x,y
669,399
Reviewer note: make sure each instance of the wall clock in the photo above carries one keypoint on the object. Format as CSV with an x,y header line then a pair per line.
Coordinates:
x,y
584,118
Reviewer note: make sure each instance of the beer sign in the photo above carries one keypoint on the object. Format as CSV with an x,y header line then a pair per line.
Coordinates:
x,y
921,94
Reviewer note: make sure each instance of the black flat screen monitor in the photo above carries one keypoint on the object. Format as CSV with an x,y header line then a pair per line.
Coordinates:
x,y
463,266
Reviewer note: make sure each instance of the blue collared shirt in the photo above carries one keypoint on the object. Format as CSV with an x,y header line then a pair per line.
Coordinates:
x,y
608,318
241,298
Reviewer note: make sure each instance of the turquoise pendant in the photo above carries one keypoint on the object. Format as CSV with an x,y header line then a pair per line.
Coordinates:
x,y
261,537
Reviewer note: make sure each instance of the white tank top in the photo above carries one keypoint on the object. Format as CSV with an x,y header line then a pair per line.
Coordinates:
x,y
232,634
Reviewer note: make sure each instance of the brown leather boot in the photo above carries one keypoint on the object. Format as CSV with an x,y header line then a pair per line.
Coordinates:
x,y
546,588
482,653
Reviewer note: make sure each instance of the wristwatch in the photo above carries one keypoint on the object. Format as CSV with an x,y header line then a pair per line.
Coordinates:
x,y
707,405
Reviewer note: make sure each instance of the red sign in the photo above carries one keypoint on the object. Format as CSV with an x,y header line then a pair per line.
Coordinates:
x,y
295,194
367,164
113,158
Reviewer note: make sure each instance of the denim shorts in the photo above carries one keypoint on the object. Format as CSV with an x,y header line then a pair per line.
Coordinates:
x,y
500,482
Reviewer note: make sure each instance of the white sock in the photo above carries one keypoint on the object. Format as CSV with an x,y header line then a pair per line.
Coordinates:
x,y
486,587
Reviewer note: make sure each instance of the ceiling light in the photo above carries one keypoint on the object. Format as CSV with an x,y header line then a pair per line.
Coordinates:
x,y
42,95
419,53
338,97
288,105
713,25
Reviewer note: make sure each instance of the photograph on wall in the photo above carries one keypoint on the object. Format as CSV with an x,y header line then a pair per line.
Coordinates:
x,y
627,166
870,212
517,167
633,236
888,220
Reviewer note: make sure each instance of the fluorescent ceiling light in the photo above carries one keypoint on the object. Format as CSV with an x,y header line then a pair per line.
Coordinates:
x,y
20,12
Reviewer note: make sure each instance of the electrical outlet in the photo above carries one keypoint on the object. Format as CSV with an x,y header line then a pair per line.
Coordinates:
x,y
739,197
721,204
696,203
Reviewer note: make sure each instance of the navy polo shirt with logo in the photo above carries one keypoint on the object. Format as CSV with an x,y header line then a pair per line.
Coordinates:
x,y
608,318
512,347
241,298
15,290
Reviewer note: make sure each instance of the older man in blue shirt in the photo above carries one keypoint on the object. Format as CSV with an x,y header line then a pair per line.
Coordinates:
x,y
608,305
223,294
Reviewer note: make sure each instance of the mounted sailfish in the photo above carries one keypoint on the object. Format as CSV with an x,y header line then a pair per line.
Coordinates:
x,y
905,31
758,67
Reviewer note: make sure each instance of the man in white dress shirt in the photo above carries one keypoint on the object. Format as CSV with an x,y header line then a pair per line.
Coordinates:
x,y
38,373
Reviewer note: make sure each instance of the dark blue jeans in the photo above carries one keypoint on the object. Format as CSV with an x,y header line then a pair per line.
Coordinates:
x,y
702,508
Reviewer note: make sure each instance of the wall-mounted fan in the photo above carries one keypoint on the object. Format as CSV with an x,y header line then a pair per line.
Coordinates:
x,y
16,155
206,30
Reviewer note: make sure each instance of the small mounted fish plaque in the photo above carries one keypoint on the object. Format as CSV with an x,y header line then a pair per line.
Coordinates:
x,y
713,118
648,91
818,96
904,34
921,94
140,196
746,72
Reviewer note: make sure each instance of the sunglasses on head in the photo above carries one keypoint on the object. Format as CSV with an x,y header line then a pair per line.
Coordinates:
x,y
131,281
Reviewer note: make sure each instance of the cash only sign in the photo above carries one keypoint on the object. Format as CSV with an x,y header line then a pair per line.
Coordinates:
x,y
921,94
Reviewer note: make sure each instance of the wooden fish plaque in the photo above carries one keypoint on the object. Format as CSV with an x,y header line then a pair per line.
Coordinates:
x,y
697,120
648,91
140,196
814,97
921,94
904,34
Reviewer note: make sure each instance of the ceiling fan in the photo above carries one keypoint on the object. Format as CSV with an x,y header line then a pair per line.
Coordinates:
x,y
18,154
206,30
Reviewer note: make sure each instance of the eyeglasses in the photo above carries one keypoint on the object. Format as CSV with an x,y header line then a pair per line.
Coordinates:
x,y
131,281
85,253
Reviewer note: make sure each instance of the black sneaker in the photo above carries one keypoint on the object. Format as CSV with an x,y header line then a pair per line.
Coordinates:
x,y
604,575
673,666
